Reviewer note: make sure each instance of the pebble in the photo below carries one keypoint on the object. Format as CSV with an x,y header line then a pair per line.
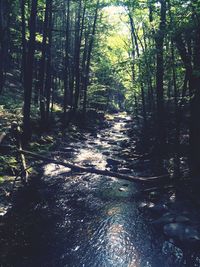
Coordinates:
x,y
122,189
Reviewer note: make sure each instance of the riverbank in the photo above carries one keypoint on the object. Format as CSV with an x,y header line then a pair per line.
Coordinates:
x,y
42,143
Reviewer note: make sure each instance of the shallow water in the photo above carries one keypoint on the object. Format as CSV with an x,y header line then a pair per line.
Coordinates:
x,y
85,220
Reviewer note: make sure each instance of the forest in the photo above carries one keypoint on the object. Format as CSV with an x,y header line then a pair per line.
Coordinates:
x,y
100,133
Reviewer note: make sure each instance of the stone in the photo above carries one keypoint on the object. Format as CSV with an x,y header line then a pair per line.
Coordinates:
x,y
106,153
112,142
146,205
113,161
171,218
67,149
159,208
182,232
122,189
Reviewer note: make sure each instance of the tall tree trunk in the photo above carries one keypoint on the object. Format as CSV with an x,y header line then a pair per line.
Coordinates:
x,y
177,117
48,82
159,39
43,66
177,108
87,69
2,30
66,63
192,70
138,55
28,79
150,7
132,50
195,107
23,29
149,74
77,56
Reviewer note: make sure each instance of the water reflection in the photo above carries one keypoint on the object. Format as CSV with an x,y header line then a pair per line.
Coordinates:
x,y
86,220
90,157
52,169
110,231
120,250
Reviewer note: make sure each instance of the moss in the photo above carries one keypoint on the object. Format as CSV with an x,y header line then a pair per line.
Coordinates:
x,y
42,145
7,162
1,179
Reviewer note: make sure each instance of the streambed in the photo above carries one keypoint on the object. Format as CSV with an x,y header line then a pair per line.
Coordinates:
x,y
85,220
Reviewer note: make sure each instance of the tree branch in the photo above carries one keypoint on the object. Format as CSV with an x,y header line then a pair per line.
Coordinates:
x,y
76,167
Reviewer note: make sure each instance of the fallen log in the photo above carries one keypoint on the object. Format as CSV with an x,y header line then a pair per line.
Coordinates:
x,y
78,168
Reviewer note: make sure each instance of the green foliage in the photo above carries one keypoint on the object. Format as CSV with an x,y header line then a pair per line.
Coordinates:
x,y
110,77
7,163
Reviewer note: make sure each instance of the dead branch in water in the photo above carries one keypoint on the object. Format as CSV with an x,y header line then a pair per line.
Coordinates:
x,y
79,168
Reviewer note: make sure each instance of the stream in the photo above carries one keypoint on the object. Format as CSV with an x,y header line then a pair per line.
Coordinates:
x,y
85,220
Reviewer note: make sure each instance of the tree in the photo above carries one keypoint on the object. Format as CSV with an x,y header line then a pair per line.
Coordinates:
x,y
2,43
159,41
28,78
88,58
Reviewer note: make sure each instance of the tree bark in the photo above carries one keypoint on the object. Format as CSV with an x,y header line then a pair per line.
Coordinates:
x,y
177,108
43,67
87,67
23,30
66,63
138,55
195,109
77,55
2,33
48,82
28,80
192,66
159,39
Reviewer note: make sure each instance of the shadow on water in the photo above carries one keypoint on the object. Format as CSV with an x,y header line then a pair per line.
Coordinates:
x,y
83,219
